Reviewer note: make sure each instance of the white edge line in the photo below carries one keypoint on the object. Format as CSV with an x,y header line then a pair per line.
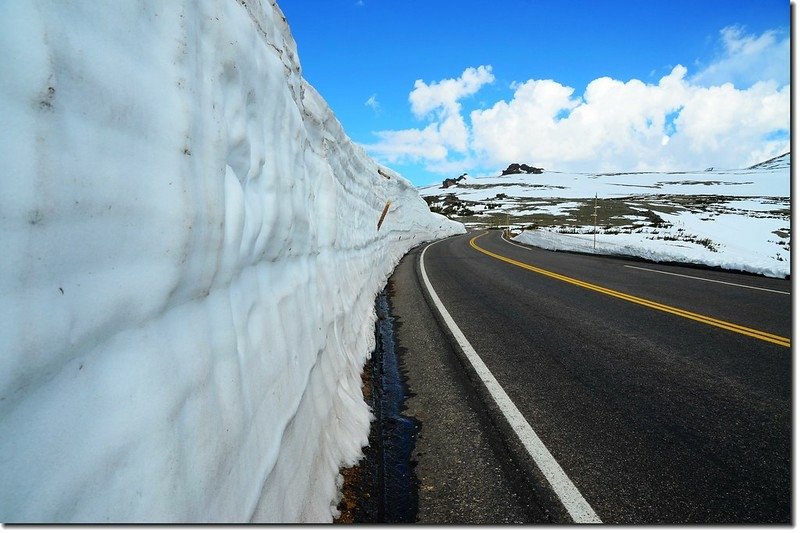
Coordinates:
x,y
513,243
708,280
578,508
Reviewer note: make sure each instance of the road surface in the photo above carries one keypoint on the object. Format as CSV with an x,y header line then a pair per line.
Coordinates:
x,y
662,394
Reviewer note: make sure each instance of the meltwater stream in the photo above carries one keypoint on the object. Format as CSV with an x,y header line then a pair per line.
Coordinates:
x,y
395,433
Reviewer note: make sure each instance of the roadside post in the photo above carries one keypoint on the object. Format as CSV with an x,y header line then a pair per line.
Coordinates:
x,y
383,214
594,236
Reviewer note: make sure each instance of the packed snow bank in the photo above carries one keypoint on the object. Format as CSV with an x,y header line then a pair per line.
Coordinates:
x,y
745,248
190,259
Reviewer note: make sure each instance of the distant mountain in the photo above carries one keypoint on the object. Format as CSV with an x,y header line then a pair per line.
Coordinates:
x,y
782,161
566,199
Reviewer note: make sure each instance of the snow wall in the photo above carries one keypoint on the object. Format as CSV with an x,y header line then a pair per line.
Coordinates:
x,y
748,250
190,260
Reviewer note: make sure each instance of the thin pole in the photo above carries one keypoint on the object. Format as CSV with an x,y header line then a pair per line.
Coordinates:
x,y
594,238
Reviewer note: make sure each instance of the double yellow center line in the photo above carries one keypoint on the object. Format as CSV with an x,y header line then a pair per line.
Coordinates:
x,y
742,330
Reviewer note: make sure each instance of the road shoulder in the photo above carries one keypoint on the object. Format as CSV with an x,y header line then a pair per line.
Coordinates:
x,y
466,475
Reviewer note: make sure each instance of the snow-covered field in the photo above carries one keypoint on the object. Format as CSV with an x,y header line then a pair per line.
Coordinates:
x,y
735,219
190,259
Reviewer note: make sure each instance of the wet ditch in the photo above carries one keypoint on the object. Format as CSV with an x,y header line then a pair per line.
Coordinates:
x,y
382,487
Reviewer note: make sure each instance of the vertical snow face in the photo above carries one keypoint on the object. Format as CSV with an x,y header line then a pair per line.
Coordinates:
x,y
190,259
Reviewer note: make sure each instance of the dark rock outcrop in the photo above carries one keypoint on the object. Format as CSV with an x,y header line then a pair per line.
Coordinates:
x,y
453,181
516,168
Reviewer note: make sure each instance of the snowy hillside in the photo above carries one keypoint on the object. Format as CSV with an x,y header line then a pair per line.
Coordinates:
x,y
190,260
776,163
734,219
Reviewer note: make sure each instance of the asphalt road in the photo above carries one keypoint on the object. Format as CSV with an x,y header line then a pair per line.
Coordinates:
x,y
463,471
656,416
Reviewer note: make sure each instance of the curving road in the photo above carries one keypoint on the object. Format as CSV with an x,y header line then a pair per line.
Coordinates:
x,y
663,393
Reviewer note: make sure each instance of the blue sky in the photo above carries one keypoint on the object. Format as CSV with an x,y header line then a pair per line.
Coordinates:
x,y
538,81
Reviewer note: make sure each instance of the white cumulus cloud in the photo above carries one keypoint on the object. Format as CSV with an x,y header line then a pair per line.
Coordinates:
x,y
734,112
632,125
613,125
443,96
410,144
439,102
747,59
